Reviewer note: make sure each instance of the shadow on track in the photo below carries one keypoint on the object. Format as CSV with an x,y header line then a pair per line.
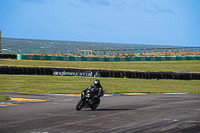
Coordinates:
x,y
108,110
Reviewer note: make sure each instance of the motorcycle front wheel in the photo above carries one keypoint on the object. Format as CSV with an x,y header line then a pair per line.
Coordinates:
x,y
79,105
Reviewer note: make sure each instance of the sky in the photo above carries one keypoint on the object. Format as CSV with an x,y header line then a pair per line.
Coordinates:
x,y
156,22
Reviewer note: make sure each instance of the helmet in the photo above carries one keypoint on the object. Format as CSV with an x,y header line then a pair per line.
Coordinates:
x,y
96,82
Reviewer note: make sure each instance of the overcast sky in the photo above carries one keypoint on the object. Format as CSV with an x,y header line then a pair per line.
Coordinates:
x,y
160,22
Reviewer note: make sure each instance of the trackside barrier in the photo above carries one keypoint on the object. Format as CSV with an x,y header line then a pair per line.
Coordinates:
x,y
139,51
25,70
98,73
82,58
8,56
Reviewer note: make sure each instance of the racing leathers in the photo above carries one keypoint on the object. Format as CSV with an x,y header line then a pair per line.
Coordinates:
x,y
98,91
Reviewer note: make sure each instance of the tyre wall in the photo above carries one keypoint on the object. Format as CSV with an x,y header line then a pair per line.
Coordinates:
x,y
25,70
97,73
8,56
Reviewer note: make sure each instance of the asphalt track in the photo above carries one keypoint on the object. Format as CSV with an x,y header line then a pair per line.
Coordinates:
x,y
119,113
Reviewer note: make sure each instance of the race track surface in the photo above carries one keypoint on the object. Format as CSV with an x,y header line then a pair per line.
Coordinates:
x,y
133,113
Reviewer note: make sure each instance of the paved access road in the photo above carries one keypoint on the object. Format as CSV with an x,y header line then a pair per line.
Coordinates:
x,y
137,113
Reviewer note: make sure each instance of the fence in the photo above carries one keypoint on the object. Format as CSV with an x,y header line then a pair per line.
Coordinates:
x,y
135,51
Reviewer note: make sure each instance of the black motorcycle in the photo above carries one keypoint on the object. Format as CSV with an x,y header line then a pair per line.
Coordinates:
x,y
86,100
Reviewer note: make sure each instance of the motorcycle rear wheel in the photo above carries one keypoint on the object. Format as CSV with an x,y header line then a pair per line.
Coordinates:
x,y
79,105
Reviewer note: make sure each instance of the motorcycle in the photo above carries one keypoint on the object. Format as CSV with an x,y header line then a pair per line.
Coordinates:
x,y
86,100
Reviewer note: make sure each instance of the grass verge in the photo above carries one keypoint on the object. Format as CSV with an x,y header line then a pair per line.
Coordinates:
x,y
41,84
173,66
3,98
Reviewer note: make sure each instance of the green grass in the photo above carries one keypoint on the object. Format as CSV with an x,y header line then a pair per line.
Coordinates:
x,y
3,98
174,66
39,84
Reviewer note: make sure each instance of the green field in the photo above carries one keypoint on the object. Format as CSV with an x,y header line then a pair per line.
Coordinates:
x,y
41,84
174,66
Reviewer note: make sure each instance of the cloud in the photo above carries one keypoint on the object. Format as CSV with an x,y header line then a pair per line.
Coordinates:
x,y
119,4
155,8
97,2
35,1
162,9
73,5
149,11
136,5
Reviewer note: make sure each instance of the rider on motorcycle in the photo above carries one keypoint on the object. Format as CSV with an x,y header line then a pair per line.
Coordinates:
x,y
90,97
98,89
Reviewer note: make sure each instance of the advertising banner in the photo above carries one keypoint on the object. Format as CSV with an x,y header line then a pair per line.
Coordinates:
x,y
76,73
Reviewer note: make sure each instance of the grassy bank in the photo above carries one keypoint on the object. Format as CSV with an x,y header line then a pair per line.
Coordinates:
x,y
3,98
70,84
175,66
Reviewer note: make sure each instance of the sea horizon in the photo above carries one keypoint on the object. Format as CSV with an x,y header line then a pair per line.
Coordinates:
x,y
44,46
